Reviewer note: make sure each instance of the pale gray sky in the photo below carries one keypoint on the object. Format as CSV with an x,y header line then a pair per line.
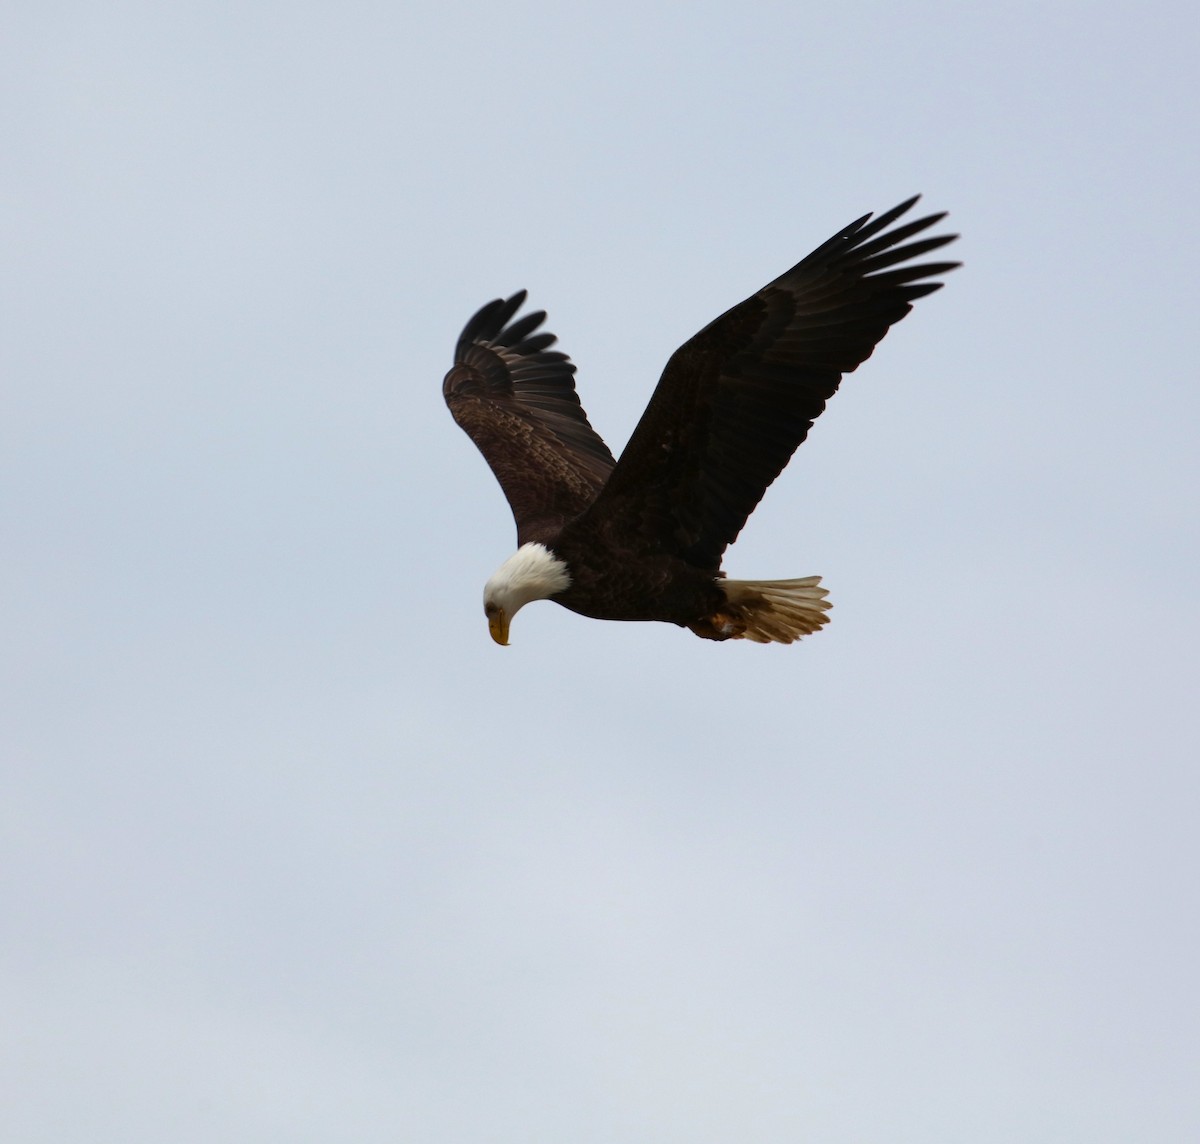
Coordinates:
x,y
291,851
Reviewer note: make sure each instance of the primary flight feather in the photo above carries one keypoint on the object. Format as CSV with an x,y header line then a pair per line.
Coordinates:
x,y
642,538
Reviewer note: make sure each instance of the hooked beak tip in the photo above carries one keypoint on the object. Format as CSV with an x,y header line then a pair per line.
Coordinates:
x,y
498,627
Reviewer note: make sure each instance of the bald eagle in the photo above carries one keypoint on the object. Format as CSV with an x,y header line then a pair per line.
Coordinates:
x,y
642,538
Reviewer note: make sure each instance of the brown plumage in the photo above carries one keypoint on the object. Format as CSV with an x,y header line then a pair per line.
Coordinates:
x,y
643,537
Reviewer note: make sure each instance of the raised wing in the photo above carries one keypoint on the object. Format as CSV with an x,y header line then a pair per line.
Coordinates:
x,y
736,400
516,399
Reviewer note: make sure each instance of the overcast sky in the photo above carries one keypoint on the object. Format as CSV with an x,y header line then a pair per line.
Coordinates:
x,y
291,851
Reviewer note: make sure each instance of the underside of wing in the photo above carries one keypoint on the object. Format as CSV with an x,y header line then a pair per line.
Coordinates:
x,y
736,400
516,399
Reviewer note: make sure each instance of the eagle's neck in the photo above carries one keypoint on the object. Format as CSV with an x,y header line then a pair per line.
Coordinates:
x,y
533,572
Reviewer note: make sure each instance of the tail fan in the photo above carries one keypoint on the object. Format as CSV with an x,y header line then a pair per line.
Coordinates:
x,y
777,611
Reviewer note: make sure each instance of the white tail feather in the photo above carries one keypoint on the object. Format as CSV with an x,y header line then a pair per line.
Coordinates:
x,y
778,611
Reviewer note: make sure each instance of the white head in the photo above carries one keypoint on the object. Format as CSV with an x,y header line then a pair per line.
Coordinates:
x,y
533,572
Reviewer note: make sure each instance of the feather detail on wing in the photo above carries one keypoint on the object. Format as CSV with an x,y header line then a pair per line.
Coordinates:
x,y
515,398
736,399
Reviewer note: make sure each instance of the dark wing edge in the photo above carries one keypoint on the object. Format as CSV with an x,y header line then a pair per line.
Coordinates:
x,y
738,398
515,398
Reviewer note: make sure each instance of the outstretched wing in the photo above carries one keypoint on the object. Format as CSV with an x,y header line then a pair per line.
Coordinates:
x,y
736,400
516,399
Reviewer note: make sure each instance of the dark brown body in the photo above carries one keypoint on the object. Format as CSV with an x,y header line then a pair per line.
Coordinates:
x,y
607,585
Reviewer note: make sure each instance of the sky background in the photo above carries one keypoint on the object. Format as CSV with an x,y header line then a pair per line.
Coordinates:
x,y
291,851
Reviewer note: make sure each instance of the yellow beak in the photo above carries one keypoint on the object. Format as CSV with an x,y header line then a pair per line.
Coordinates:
x,y
498,626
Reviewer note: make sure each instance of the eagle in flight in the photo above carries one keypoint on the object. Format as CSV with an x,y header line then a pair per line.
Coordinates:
x,y
641,538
